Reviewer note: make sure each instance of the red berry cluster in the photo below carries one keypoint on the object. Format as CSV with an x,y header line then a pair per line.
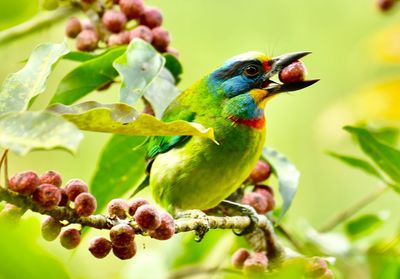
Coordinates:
x,y
250,262
261,198
295,72
159,225
124,21
46,191
385,5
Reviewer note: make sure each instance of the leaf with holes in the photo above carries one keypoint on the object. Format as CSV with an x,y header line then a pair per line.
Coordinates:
x,y
19,88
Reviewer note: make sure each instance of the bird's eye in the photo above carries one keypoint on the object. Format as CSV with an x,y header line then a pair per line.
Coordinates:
x,y
251,71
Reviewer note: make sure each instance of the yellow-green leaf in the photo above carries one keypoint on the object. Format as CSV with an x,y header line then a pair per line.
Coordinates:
x,y
19,88
22,132
125,120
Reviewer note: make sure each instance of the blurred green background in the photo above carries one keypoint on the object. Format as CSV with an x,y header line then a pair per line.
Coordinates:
x,y
341,34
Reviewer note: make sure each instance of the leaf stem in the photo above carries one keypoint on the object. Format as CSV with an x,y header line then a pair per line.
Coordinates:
x,y
3,159
350,211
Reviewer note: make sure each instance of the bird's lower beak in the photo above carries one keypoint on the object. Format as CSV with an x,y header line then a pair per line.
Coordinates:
x,y
277,65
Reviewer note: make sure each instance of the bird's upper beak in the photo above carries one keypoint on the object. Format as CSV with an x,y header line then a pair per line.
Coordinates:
x,y
277,64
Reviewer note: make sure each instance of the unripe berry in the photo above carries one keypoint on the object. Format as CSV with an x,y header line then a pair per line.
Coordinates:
x,y
49,4
142,32
151,17
11,212
134,204
260,172
114,20
256,263
161,39
295,72
257,201
122,235
385,5
166,229
85,204
147,217
24,183
100,247
64,198
87,40
118,208
73,27
122,38
51,177
70,238
126,252
51,228
316,267
239,257
264,190
327,275
132,8
47,195
74,187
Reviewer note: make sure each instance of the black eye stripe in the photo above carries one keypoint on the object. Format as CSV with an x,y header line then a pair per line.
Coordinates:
x,y
236,68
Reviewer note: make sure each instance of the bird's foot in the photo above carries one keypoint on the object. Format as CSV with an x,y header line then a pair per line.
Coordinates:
x,y
245,210
202,222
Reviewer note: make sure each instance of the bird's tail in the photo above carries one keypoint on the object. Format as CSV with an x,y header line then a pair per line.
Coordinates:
x,y
141,186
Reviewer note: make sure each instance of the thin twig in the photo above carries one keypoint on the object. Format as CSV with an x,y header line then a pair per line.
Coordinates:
x,y
3,158
190,271
296,244
350,211
42,20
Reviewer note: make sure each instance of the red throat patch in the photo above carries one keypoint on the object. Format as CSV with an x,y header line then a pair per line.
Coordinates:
x,y
256,123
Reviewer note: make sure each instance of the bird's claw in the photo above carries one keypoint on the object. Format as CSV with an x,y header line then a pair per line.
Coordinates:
x,y
244,210
202,224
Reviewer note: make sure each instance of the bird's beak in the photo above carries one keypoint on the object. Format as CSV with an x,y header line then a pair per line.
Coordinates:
x,y
277,65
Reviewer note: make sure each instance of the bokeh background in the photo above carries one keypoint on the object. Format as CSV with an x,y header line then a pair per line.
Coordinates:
x,y
355,50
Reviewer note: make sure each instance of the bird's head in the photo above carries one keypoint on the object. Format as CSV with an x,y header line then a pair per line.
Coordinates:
x,y
244,83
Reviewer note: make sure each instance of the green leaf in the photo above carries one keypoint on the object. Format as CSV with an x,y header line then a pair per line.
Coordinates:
x,y
119,168
386,157
19,88
161,92
357,163
363,225
388,135
288,176
87,77
21,255
80,56
125,120
138,67
22,132
174,66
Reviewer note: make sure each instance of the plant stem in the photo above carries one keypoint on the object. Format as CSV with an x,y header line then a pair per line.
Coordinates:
x,y
350,211
3,159
42,20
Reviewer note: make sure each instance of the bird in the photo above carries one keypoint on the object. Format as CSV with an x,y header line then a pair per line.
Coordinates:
x,y
189,172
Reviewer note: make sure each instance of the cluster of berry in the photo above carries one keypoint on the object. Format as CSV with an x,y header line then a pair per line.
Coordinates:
x,y
119,24
386,5
250,263
159,225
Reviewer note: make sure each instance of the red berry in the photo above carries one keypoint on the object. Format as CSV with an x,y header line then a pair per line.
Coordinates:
x,y
51,228
85,204
161,39
134,204
239,257
316,267
263,189
114,20
166,229
64,198
385,5
132,8
100,247
260,172
70,238
151,17
125,252
47,195
24,183
256,263
147,217
257,201
142,32
122,38
295,72
87,40
118,208
87,25
73,27
122,235
74,187
51,177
